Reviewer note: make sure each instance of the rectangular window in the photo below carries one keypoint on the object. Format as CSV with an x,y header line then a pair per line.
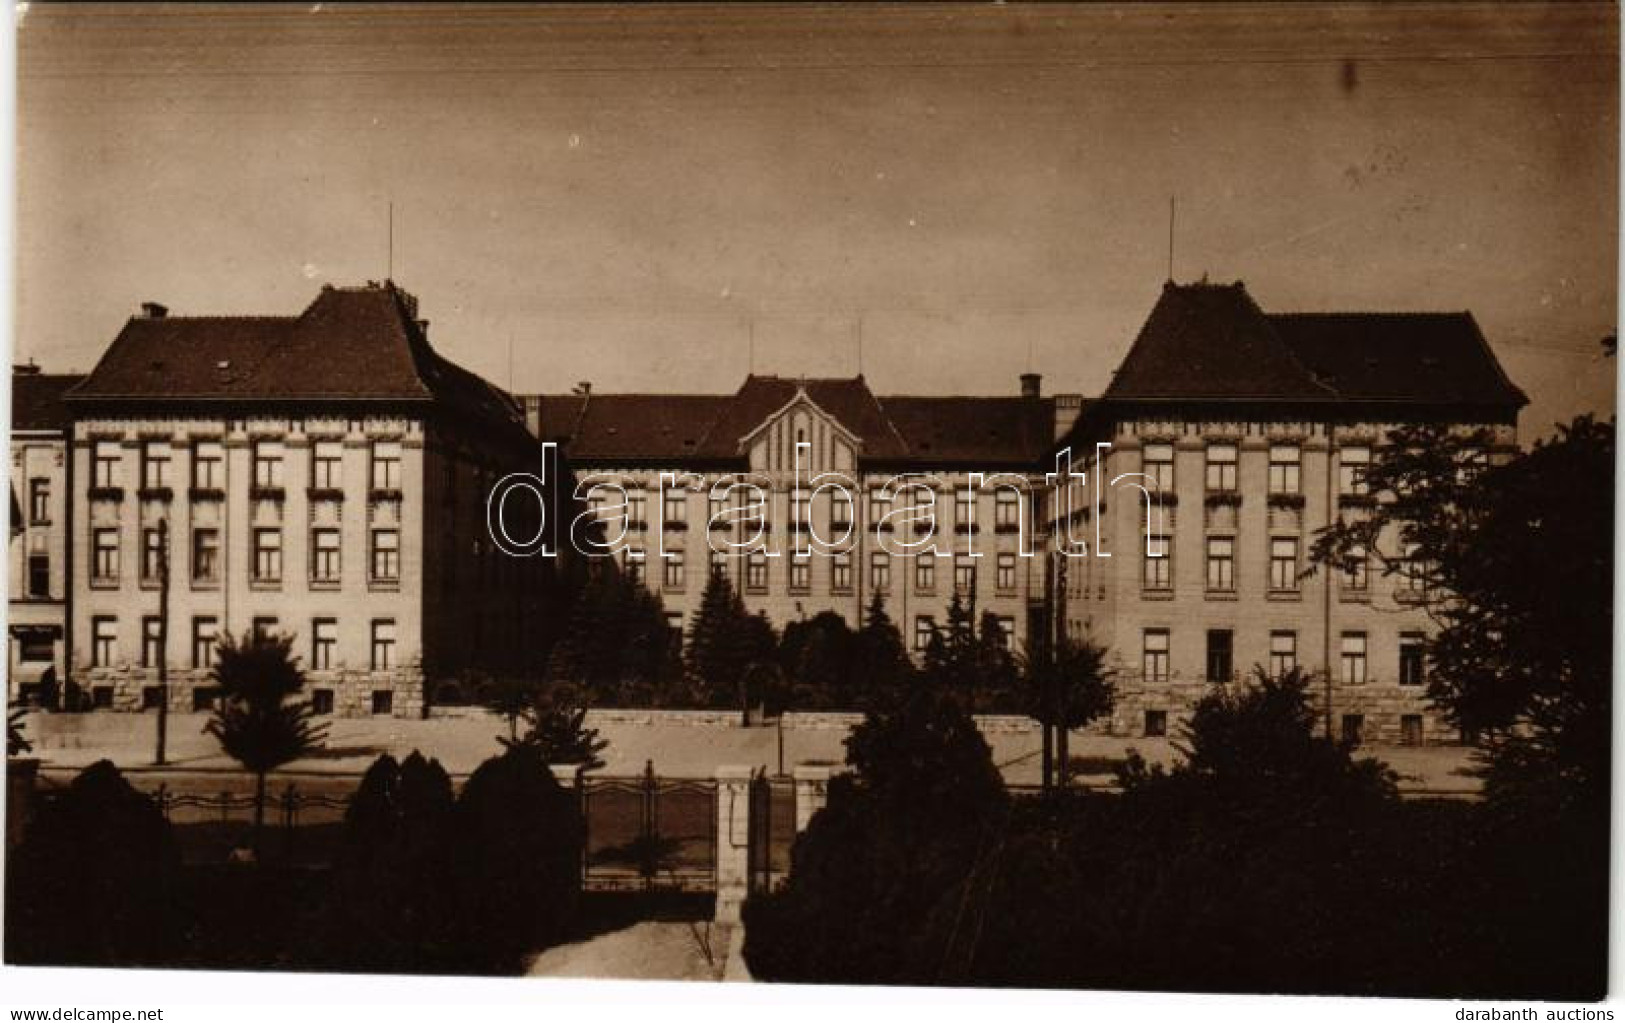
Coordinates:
x,y
103,641
383,644
675,570
1007,632
104,468
1285,465
101,697
208,465
104,555
1156,723
151,697
263,626
327,465
1413,570
386,465
719,506
964,509
925,627
719,562
324,641
840,573
321,701
840,511
386,555
205,554
268,464
1353,658
155,464
800,571
879,505
1157,574
1221,563
152,554
383,702
925,571
800,509
1158,464
675,506
1283,653
1352,463
633,563
203,636
203,698
324,555
1220,655
880,571
151,648
39,575
1221,468
965,573
1283,563
268,555
1411,665
1353,729
1154,655
1006,577
637,508
1410,729
35,647
1007,510
39,501
1357,576
756,571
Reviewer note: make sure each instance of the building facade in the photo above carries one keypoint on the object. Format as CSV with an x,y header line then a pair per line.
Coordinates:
x,y
911,498
322,475
1251,432
41,479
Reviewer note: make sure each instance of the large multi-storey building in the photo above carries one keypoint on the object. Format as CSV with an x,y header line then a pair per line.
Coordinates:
x,y
40,536
323,475
1252,431
684,467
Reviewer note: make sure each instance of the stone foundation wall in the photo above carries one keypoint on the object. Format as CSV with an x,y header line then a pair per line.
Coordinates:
x,y
124,688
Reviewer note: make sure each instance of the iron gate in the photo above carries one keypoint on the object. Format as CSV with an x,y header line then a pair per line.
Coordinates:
x,y
647,833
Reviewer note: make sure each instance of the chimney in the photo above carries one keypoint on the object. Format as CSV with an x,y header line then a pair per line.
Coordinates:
x,y
153,311
1030,385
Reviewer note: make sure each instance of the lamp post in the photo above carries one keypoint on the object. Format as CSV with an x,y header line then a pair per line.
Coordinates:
x,y
163,640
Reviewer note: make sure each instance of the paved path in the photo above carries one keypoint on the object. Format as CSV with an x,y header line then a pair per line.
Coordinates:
x,y
650,950
678,750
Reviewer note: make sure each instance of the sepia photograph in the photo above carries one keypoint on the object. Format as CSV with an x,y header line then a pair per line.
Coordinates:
x,y
1073,497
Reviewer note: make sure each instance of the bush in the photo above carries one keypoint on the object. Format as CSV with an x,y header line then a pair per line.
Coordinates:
x,y
92,883
390,910
516,845
923,805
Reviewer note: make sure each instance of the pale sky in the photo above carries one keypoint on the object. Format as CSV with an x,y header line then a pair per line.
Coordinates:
x,y
629,195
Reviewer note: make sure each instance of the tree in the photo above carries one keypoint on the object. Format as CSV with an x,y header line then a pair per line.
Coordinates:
x,y
508,696
618,646
557,729
1515,566
883,664
516,841
724,642
819,657
923,805
97,851
255,719
16,743
390,910
1067,684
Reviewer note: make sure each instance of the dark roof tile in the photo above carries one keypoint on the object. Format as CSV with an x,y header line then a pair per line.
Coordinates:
x,y
36,400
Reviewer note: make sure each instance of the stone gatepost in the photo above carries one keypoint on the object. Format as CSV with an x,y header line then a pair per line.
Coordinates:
x,y
812,790
733,842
